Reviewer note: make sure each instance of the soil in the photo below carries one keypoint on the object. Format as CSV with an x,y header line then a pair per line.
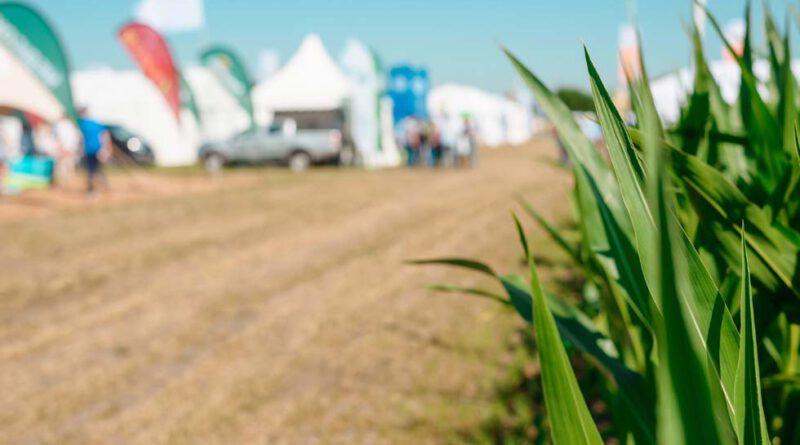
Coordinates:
x,y
261,306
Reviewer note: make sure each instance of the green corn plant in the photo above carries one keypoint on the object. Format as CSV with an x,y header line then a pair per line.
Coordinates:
x,y
691,234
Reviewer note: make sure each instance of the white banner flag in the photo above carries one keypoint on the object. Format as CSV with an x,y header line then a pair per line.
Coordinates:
x,y
171,15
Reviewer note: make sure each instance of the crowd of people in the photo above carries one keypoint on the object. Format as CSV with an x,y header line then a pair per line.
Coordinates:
x,y
451,142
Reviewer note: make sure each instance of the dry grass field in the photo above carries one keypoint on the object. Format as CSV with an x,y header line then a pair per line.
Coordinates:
x,y
261,307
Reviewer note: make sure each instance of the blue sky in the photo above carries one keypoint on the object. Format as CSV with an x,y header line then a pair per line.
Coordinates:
x,y
457,40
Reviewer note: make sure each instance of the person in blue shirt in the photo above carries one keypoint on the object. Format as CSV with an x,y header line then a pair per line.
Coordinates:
x,y
96,143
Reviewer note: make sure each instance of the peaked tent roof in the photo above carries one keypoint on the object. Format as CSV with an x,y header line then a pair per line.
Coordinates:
x,y
309,81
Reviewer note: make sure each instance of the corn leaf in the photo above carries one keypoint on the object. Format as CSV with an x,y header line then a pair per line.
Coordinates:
x,y
751,426
580,149
572,323
724,202
686,413
448,288
764,130
713,322
712,325
695,119
520,299
575,327
613,247
775,49
570,419
788,97
645,92
554,233
708,314
476,266
624,159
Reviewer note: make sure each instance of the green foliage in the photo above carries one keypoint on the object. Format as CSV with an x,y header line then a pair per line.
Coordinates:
x,y
576,100
691,237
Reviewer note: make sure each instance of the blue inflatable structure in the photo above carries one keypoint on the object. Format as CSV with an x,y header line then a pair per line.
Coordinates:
x,y
408,87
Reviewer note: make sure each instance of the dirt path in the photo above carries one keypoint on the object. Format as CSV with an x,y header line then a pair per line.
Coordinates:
x,y
274,308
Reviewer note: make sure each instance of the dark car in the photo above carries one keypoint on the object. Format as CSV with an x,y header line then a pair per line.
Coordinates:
x,y
129,147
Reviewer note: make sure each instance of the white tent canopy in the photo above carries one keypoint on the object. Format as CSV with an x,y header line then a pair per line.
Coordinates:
x,y
21,90
221,115
310,81
498,120
671,91
128,99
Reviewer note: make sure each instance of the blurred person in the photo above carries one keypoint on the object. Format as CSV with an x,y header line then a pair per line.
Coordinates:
x,y
412,131
27,145
424,147
466,145
96,149
68,142
450,131
435,145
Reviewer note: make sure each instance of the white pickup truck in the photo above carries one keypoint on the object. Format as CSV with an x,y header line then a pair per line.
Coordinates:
x,y
282,143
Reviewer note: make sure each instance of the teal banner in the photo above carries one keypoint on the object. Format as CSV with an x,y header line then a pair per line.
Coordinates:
x,y
26,34
230,71
187,98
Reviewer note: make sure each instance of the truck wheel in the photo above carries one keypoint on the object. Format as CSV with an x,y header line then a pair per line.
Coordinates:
x,y
214,163
299,161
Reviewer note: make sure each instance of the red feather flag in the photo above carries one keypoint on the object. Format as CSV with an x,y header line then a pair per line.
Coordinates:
x,y
151,53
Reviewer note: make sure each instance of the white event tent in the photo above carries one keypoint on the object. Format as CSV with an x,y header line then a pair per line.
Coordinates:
x,y
498,120
128,99
221,115
671,91
310,81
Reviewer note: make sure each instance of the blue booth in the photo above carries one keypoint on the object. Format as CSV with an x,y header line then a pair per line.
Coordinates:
x,y
408,87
